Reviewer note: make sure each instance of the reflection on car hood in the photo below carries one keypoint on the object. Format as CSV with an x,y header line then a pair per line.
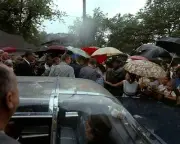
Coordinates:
x,y
44,85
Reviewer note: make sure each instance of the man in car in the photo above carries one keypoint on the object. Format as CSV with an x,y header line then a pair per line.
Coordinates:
x,y
9,100
97,129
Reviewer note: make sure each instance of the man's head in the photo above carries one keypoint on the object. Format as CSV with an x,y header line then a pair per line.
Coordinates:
x,y
9,95
49,60
117,63
29,56
66,58
92,62
81,61
56,60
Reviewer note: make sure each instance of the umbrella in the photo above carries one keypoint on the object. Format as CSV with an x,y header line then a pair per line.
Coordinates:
x,y
152,52
170,44
9,49
56,47
145,69
78,51
138,58
90,50
109,51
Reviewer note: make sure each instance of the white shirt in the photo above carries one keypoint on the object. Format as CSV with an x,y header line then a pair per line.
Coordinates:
x,y
46,66
26,61
130,88
161,88
168,93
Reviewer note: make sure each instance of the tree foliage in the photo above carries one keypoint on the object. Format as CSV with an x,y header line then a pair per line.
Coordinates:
x,y
158,18
24,17
92,30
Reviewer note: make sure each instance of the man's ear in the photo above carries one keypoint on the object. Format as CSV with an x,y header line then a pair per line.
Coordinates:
x,y
9,100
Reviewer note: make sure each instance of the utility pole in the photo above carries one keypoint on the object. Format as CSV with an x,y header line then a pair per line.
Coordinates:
x,y
84,34
84,10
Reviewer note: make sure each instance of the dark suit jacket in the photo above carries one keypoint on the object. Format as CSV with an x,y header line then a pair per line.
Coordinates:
x,y
4,139
89,73
24,69
76,68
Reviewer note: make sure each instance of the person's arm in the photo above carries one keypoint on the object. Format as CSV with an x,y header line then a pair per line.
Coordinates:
x,y
114,85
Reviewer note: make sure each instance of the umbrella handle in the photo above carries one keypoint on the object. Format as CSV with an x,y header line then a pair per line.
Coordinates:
x,y
171,61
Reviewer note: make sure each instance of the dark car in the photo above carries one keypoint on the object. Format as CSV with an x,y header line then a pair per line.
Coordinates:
x,y
73,111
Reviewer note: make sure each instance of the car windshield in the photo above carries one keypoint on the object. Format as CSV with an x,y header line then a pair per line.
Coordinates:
x,y
79,115
102,119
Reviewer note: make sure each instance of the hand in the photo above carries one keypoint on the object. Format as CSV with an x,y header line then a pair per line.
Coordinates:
x,y
109,83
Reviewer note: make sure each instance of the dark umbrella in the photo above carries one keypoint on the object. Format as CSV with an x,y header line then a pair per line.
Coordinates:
x,y
152,52
56,49
170,44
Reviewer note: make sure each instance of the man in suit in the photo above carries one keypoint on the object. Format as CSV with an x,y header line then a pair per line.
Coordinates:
x,y
89,71
44,69
25,68
9,100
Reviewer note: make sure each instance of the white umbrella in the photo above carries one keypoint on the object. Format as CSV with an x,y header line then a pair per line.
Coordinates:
x,y
78,51
109,51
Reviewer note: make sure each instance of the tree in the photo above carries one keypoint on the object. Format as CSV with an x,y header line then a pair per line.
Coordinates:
x,y
126,32
24,17
161,17
92,31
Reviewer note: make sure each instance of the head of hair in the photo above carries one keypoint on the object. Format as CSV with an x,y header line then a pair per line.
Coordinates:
x,y
92,61
64,57
109,64
132,77
28,53
6,83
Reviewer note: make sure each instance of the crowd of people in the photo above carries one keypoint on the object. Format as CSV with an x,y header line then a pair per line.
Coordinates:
x,y
110,74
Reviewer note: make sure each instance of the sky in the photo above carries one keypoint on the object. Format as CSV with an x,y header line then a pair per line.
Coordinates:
x,y
73,8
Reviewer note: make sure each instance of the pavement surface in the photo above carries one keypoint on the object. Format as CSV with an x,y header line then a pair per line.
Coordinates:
x,y
158,117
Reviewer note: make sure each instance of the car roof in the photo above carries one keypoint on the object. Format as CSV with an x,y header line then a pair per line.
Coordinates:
x,y
64,85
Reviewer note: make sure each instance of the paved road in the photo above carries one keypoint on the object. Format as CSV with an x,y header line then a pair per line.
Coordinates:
x,y
162,119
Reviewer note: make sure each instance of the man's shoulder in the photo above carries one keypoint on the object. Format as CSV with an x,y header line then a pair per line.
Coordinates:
x,y
4,139
68,67
85,67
